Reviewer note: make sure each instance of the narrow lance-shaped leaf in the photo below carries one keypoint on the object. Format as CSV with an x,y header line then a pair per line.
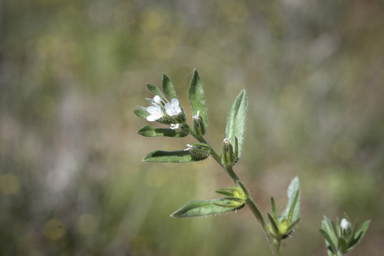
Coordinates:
x,y
236,121
202,208
182,156
329,241
156,90
292,190
150,131
168,87
197,99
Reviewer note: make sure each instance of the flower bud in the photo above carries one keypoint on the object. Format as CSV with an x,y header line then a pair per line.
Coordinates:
x,y
198,124
199,151
228,156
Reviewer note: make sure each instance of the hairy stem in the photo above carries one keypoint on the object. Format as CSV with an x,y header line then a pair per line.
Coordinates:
x,y
274,243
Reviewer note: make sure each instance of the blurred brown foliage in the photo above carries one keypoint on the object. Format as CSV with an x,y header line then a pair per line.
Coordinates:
x,y
71,73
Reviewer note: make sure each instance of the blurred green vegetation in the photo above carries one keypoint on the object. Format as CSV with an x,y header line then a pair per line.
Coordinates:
x,y
71,73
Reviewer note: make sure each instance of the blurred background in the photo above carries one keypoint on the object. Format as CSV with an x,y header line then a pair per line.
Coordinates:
x,y
71,73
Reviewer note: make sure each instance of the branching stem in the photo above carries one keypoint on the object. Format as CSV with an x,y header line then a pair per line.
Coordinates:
x,y
273,241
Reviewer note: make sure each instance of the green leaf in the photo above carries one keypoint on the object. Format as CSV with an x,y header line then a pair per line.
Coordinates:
x,y
363,229
182,156
292,190
197,99
336,231
202,208
359,234
293,206
150,131
245,190
328,227
156,91
141,112
332,246
236,121
168,87
342,245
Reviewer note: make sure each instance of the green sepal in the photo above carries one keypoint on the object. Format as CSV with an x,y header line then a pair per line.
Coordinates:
x,y
231,189
236,122
160,156
293,224
328,239
202,208
244,189
234,198
273,205
274,225
197,99
230,204
150,131
156,91
293,206
226,193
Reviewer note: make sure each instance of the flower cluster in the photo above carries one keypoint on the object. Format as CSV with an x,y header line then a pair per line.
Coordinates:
x,y
156,110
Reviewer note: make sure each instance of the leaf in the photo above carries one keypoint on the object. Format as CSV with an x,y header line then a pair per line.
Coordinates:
x,y
236,121
359,234
363,229
150,131
197,99
293,206
328,227
168,87
182,156
332,246
342,245
292,190
156,91
202,208
142,112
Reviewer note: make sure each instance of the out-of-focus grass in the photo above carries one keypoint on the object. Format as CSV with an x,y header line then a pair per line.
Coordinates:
x,y
71,73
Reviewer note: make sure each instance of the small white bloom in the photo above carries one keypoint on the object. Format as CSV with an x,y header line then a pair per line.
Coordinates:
x,y
157,99
189,146
197,115
175,126
155,112
172,109
344,224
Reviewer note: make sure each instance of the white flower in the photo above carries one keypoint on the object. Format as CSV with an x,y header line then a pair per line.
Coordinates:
x,y
175,126
197,115
157,99
155,112
172,109
344,224
189,146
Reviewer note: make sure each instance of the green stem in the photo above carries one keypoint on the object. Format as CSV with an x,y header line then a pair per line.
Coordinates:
x,y
273,242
